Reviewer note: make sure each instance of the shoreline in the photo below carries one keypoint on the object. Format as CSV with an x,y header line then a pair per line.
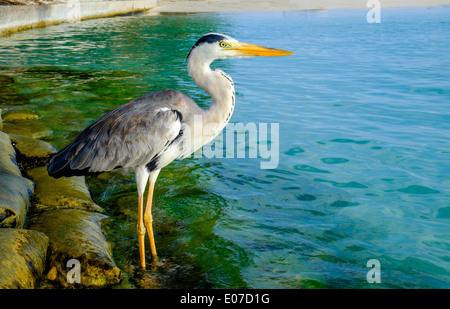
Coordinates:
x,y
20,15
206,6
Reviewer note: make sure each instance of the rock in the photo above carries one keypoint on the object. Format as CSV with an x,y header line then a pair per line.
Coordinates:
x,y
8,163
65,192
77,234
22,258
28,128
6,81
31,152
31,147
1,121
15,195
9,94
20,115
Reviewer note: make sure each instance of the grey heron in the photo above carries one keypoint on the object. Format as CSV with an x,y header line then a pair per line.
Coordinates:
x,y
148,133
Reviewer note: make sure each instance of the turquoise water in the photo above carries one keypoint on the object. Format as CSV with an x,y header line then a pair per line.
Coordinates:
x,y
363,113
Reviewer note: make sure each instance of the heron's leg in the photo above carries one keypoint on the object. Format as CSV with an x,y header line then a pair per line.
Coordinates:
x,y
141,230
148,219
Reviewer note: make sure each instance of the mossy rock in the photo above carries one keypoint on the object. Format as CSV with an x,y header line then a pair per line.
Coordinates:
x,y
8,163
19,115
31,147
65,192
15,196
9,94
30,128
1,120
22,258
77,234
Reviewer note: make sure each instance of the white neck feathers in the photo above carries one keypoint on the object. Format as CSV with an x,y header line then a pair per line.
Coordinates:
x,y
216,83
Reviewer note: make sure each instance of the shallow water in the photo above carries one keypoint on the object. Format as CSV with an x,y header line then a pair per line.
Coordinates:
x,y
363,144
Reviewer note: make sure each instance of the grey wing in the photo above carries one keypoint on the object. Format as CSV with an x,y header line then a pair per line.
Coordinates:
x,y
131,135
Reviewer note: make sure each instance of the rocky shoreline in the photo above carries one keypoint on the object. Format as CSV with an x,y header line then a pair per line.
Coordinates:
x,y
44,222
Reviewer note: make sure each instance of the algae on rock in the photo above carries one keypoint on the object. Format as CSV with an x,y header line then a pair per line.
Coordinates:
x,y
77,234
8,163
31,152
30,128
20,115
65,192
31,147
15,195
22,258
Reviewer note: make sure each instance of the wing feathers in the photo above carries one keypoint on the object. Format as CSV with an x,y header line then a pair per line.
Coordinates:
x,y
128,136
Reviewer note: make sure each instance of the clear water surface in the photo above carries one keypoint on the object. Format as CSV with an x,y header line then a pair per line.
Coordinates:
x,y
363,112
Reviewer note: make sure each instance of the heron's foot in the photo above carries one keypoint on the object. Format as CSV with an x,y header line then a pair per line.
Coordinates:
x,y
150,268
157,262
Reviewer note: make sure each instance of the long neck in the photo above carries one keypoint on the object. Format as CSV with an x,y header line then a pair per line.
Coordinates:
x,y
221,88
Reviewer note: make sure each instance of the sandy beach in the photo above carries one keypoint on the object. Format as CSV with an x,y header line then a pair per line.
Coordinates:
x,y
186,6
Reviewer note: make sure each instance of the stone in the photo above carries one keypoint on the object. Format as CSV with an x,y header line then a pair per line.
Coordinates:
x,y
65,192
28,128
9,94
22,258
76,235
31,147
8,163
1,120
20,115
15,197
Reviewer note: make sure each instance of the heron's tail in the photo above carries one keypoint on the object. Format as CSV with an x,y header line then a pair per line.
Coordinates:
x,y
60,164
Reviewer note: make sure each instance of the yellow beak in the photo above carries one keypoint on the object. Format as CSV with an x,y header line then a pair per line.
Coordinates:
x,y
245,49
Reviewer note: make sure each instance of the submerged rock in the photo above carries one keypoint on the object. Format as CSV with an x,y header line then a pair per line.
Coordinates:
x,y
28,128
8,163
20,115
76,235
15,196
22,258
9,94
65,192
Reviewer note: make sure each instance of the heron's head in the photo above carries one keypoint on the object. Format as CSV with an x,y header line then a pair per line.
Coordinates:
x,y
214,46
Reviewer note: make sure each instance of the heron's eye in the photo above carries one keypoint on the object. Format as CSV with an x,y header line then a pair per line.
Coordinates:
x,y
223,44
